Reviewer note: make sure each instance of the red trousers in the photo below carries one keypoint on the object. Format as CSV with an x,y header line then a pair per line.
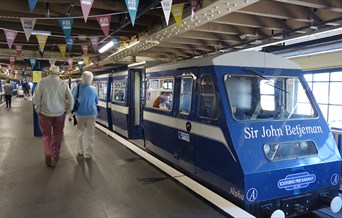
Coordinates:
x,y
52,131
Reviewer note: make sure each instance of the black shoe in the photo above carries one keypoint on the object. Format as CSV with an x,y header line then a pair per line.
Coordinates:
x,y
48,160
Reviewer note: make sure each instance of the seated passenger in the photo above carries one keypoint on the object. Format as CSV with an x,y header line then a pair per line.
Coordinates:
x,y
163,101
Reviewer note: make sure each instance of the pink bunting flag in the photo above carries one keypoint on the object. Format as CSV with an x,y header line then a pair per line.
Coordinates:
x,y
85,48
86,6
94,40
12,60
10,37
19,49
193,4
104,22
70,62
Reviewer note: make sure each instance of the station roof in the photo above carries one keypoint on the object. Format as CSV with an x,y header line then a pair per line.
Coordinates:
x,y
217,26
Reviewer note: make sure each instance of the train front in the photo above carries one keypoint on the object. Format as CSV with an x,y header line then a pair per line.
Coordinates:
x,y
289,158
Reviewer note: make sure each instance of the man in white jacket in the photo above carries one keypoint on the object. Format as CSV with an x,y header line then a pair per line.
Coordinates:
x,y
52,99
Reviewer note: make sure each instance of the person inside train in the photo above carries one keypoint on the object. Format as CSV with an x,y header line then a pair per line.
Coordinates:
x,y
86,114
52,99
163,101
8,93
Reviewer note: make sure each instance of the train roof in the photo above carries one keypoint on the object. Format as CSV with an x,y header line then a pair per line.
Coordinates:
x,y
239,59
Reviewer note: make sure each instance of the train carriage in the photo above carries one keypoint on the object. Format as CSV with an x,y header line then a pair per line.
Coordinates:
x,y
247,125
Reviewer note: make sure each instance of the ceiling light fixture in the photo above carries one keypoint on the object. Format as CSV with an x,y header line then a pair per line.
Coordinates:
x,y
106,47
41,32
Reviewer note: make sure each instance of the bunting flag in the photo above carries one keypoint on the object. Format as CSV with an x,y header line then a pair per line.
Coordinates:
x,y
80,66
10,37
23,70
18,49
94,40
33,62
177,12
70,42
52,61
132,6
70,62
12,60
32,4
41,53
85,48
104,22
28,25
41,41
62,49
115,40
86,6
85,59
193,4
66,24
166,5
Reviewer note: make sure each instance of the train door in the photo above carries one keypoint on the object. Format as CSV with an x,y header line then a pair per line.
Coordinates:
x,y
136,98
185,110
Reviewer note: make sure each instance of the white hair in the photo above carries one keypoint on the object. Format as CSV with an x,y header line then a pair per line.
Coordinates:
x,y
87,77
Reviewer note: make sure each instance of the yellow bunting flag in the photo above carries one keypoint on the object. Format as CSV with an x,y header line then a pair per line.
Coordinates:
x,y
177,13
62,49
85,59
36,76
41,41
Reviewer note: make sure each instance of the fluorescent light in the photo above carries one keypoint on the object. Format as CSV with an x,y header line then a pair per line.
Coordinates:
x,y
106,46
41,32
80,62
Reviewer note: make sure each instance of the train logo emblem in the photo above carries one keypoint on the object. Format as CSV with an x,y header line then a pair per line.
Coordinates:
x,y
252,195
296,181
335,179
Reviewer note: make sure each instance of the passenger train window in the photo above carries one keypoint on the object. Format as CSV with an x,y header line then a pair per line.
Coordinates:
x,y
208,103
277,98
102,90
118,92
185,95
159,93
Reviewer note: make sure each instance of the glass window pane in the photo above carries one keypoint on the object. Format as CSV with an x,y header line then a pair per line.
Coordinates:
x,y
335,93
321,77
308,77
102,90
208,103
336,76
324,109
320,91
335,113
159,93
185,95
119,88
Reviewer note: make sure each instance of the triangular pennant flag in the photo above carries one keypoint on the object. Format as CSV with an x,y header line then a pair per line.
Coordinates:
x,y
32,62
19,49
66,24
10,37
86,6
193,4
41,41
85,48
12,60
96,63
32,4
80,66
177,12
85,59
104,22
70,62
115,40
132,6
52,61
166,5
70,42
94,40
62,49
28,25
41,53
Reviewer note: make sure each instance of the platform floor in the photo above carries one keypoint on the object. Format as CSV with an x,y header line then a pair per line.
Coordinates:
x,y
115,183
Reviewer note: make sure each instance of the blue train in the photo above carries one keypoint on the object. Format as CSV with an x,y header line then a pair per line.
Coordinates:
x,y
244,124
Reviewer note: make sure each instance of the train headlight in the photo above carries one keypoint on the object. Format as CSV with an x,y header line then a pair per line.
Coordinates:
x,y
267,149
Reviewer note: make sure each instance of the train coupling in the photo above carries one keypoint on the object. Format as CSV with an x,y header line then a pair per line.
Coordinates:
x,y
335,203
273,213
